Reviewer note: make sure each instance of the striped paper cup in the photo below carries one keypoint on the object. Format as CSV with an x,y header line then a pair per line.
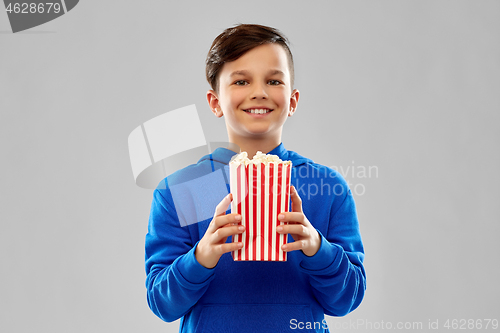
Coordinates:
x,y
260,193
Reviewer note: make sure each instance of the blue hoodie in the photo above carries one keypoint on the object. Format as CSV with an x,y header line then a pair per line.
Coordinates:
x,y
252,296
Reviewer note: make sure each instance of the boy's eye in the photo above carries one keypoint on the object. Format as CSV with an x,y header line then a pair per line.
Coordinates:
x,y
244,82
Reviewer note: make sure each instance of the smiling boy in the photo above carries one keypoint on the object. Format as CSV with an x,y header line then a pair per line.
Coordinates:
x,y
190,274
258,80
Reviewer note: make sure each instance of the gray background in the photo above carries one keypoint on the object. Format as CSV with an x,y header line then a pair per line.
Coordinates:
x,y
409,87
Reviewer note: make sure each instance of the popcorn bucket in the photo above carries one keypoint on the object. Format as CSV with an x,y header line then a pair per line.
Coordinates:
x,y
260,192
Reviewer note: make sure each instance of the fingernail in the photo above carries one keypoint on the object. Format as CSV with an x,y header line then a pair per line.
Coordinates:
x,y
281,216
280,228
240,244
237,217
284,247
241,227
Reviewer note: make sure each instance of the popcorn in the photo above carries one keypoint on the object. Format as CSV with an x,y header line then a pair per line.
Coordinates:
x,y
261,190
260,157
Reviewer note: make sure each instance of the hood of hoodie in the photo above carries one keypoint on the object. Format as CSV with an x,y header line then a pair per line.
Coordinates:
x,y
195,190
224,155
195,174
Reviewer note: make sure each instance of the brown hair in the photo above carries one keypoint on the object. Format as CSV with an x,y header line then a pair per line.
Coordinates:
x,y
233,42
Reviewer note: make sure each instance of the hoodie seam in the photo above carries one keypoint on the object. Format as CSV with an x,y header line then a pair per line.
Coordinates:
x,y
212,162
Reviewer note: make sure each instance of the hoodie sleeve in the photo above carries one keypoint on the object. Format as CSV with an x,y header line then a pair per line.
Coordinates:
x,y
336,271
175,280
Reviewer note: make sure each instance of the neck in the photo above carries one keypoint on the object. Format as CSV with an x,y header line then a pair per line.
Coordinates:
x,y
251,146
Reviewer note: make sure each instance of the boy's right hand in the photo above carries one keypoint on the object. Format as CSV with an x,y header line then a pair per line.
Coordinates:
x,y
213,244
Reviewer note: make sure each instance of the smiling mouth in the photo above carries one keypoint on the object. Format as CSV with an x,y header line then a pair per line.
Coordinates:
x,y
258,111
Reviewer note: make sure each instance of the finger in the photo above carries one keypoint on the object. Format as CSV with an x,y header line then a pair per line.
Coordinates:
x,y
292,217
225,220
223,205
223,233
295,229
228,247
296,200
293,246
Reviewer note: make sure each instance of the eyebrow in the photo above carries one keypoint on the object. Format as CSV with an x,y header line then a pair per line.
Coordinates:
x,y
244,72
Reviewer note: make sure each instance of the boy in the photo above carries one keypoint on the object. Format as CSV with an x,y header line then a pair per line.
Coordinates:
x,y
189,273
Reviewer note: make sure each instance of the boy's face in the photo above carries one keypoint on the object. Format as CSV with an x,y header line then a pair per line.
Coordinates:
x,y
259,79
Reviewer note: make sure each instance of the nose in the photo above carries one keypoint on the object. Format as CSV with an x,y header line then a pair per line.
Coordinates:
x,y
259,91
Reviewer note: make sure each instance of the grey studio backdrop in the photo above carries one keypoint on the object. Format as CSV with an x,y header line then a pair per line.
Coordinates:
x,y
407,91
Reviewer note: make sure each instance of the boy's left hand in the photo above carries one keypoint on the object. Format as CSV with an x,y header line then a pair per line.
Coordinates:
x,y
305,235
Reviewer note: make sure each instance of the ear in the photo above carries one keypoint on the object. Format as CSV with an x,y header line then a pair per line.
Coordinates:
x,y
294,102
213,102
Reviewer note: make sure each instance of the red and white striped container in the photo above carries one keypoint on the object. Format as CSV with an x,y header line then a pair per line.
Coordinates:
x,y
260,192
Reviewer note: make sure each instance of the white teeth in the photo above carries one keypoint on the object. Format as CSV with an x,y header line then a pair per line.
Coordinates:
x,y
259,111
